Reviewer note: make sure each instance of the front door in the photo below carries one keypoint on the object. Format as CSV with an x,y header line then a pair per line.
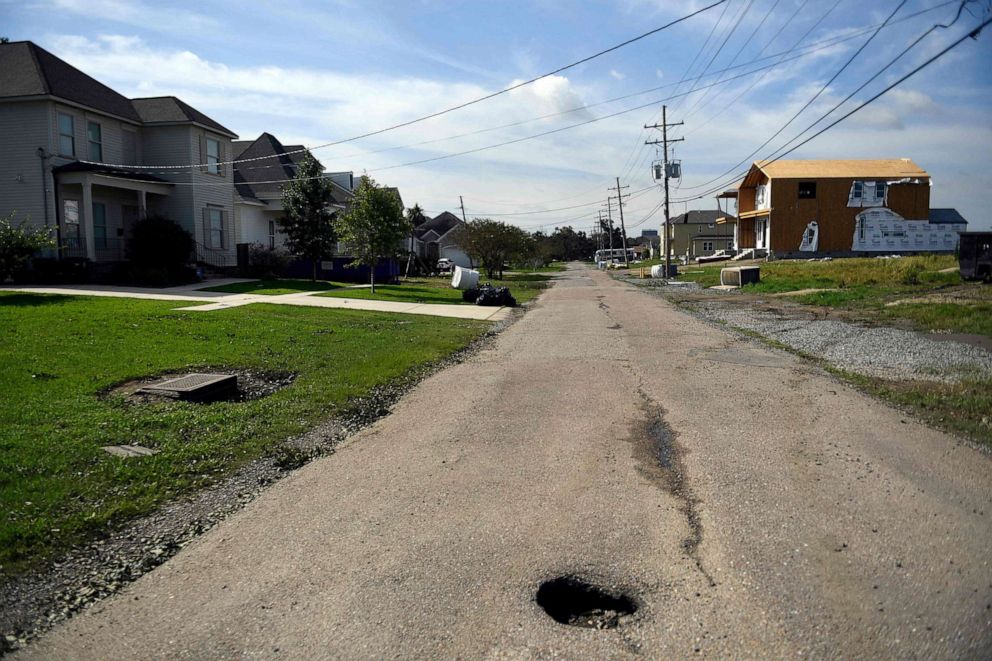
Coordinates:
x,y
761,233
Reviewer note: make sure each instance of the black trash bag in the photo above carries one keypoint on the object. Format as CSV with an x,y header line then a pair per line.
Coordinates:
x,y
470,295
495,296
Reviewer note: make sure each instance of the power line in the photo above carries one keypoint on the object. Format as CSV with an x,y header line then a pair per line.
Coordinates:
x,y
972,34
450,109
808,103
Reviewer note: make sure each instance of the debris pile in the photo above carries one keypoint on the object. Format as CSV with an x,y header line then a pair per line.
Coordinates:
x,y
487,294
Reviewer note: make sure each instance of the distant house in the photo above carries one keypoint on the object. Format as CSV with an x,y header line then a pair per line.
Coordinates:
x,y
70,146
258,185
845,207
438,239
699,232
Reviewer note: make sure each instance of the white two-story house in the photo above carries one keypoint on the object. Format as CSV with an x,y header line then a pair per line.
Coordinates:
x,y
71,146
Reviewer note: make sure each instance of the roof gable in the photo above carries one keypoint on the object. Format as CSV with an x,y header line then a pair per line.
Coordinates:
x,y
698,217
441,224
169,109
26,69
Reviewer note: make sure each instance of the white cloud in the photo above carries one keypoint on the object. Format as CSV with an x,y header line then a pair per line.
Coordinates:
x,y
617,75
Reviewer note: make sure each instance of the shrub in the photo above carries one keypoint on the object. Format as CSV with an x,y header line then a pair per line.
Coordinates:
x,y
266,262
18,244
159,252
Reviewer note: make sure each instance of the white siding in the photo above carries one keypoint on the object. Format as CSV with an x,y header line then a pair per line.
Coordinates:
x,y
23,128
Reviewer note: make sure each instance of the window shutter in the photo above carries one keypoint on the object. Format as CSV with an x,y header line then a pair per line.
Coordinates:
x,y
206,227
222,155
203,152
225,223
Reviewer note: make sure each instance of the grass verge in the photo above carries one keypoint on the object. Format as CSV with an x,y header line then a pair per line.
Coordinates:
x,y
58,488
275,287
523,286
912,289
963,408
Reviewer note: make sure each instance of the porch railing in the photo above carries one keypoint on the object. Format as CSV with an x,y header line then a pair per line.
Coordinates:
x,y
213,257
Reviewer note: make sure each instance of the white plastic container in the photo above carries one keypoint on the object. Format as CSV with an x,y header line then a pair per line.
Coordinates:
x,y
464,279
658,271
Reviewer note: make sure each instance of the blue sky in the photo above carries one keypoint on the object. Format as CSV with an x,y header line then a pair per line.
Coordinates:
x,y
313,73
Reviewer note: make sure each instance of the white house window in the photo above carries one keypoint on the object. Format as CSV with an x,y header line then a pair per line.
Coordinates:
x,y
879,190
859,190
213,156
861,229
272,234
707,246
95,136
67,135
730,245
215,227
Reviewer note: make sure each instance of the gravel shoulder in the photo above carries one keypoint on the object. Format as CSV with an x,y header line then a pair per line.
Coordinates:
x,y
846,341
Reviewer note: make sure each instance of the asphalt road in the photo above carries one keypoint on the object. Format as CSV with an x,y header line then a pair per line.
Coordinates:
x,y
795,516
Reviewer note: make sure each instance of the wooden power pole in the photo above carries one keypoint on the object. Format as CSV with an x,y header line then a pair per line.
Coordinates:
x,y
664,142
623,228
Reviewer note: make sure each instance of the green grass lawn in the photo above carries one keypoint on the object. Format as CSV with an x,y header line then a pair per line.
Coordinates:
x,y
523,286
58,488
866,285
276,287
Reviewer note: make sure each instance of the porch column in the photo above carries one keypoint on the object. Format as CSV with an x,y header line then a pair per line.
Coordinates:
x,y
87,220
142,206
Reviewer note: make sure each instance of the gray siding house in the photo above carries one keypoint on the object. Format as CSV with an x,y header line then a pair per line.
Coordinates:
x,y
71,143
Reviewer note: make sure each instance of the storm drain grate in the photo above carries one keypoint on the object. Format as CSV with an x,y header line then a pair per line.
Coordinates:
x,y
570,600
196,387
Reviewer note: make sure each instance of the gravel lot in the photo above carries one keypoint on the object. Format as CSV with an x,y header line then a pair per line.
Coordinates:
x,y
888,353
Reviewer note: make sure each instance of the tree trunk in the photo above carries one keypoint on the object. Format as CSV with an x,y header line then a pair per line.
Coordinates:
x,y
313,275
372,273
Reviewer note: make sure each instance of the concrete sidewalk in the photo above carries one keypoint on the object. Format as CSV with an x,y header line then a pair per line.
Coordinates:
x,y
222,301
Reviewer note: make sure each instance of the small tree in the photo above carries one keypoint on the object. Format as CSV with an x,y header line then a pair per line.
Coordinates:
x,y
18,244
374,227
492,243
308,221
415,216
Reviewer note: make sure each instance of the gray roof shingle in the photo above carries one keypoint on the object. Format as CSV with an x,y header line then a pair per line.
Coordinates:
x,y
169,109
441,224
26,69
946,217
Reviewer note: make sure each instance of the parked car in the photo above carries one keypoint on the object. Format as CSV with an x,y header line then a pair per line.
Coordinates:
x,y
444,265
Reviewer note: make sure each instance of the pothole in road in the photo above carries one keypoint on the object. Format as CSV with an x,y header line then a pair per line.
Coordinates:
x,y
572,601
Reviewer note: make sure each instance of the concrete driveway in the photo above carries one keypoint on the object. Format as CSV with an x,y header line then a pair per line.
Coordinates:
x,y
750,505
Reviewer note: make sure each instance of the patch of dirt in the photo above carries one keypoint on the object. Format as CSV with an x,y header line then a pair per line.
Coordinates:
x,y
33,603
252,384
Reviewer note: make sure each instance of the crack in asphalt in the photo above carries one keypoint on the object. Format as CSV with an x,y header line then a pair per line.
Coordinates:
x,y
668,468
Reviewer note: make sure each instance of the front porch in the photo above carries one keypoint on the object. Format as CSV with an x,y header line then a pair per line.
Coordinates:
x,y
97,207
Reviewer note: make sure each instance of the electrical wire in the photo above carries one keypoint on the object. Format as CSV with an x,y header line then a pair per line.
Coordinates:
x,y
808,103
445,111
971,34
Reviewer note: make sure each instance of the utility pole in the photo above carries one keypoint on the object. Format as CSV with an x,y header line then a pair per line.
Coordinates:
x,y
462,203
623,229
609,218
664,142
